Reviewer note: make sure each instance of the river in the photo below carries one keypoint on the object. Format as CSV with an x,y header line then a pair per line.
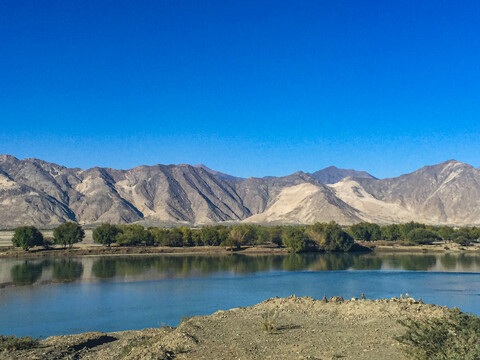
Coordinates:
x,y
44,297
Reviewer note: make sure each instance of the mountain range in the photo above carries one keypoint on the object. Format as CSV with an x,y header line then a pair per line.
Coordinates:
x,y
36,192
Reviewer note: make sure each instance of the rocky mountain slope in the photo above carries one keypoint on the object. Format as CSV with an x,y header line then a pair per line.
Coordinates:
x,y
332,174
447,193
37,192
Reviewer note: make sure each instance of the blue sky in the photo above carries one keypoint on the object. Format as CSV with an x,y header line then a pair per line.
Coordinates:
x,y
251,88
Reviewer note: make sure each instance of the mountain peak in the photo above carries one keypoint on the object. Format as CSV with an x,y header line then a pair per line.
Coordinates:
x,y
218,174
332,174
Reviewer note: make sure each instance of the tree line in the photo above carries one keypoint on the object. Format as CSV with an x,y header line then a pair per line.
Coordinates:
x,y
319,236
414,233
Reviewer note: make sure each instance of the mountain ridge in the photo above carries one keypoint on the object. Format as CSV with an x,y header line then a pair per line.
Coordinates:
x,y
37,192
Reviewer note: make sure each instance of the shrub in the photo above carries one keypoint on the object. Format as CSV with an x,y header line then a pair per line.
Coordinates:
x,y
269,321
27,237
8,343
453,337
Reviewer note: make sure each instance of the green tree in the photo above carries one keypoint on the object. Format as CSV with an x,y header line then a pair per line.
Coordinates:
x,y
295,239
209,236
68,233
174,238
105,234
27,237
276,235
330,237
159,235
134,234
241,235
391,232
366,232
336,239
408,227
223,232
197,241
421,236
262,235
187,236
462,236
445,232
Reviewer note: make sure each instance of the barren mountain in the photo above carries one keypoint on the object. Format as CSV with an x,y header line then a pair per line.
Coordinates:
x,y
447,193
306,204
40,193
332,174
219,174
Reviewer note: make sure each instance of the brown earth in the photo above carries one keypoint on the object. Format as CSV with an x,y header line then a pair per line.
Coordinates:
x,y
305,329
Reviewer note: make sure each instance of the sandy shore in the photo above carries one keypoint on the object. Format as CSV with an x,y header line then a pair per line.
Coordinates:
x,y
305,329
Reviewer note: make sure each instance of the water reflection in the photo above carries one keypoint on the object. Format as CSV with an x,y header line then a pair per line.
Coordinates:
x,y
411,262
67,270
26,273
133,268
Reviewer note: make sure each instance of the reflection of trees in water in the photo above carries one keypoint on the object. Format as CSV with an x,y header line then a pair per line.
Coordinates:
x,y
332,261
295,262
28,272
411,262
67,270
186,265
466,261
448,261
367,262
426,262
104,268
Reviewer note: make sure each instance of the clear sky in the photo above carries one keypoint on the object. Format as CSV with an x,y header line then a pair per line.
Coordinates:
x,y
250,88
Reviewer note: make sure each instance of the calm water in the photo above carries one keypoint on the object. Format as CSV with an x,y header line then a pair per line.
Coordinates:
x,y
66,296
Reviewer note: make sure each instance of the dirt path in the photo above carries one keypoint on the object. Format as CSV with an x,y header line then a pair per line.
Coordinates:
x,y
305,329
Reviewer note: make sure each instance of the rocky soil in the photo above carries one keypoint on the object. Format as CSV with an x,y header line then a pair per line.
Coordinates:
x,y
304,329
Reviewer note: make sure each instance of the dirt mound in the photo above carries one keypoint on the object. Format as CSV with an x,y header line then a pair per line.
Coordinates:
x,y
297,328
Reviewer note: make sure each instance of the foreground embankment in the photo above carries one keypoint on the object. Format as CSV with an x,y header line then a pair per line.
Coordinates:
x,y
278,328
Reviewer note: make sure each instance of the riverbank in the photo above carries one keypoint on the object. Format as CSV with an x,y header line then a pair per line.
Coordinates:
x,y
303,328
437,247
89,249
98,250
